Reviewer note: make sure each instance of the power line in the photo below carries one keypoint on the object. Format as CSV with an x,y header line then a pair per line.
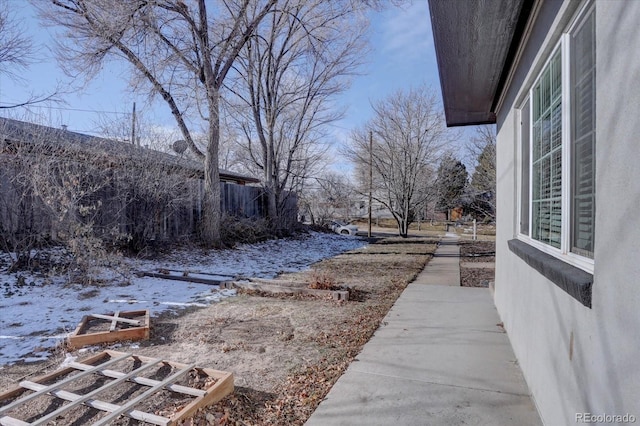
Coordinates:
x,y
71,109
337,126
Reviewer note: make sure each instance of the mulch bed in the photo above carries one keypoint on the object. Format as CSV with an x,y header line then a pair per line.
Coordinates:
x,y
476,252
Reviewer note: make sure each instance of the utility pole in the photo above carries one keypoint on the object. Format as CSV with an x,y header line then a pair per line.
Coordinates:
x,y
133,125
370,176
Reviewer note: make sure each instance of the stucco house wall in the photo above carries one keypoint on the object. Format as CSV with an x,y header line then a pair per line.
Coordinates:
x,y
578,359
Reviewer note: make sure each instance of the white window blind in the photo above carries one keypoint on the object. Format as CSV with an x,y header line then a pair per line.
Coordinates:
x,y
583,138
546,161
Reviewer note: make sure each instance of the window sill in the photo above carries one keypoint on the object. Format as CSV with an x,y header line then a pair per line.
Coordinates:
x,y
576,282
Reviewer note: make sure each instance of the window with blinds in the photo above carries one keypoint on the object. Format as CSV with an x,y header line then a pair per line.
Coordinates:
x,y
583,79
546,162
557,153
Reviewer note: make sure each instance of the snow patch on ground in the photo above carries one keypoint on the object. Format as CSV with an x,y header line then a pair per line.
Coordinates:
x,y
38,312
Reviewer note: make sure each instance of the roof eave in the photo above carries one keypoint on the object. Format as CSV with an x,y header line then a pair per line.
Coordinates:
x,y
476,46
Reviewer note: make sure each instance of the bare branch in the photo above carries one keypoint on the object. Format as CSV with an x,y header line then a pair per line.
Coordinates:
x,y
291,68
409,136
16,49
178,49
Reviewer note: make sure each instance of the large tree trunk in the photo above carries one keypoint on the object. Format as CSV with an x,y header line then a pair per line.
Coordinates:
x,y
211,217
404,228
212,212
274,215
271,185
406,220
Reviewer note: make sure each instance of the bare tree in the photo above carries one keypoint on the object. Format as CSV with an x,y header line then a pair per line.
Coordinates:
x,y
331,197
88,193
16,53
180,50
19,218
408,136
298,60
16,49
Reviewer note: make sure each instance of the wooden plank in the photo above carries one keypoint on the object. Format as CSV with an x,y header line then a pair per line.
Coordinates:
x,y
142,332
126,407
138,333
10,421
145,381
11,393
117,319
217,374
201,273
198,280
279,282
223,387
271,288
484,265
81,325
147,327
61,383
114,322
82,399
105,406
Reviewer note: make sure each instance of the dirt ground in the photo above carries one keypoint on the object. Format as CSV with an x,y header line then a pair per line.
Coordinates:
x,y
479,253
285,352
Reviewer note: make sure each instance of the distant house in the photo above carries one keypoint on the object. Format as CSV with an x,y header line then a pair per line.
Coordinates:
x,y
560,79
15,131
143,193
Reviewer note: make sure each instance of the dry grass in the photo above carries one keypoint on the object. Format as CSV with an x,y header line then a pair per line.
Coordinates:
x,y
319,338
333,333
287,352
322,280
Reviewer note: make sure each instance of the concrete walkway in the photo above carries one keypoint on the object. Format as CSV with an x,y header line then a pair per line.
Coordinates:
x,y
444,268
438,359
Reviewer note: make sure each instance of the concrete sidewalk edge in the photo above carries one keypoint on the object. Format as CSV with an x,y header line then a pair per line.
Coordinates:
x,y
439,358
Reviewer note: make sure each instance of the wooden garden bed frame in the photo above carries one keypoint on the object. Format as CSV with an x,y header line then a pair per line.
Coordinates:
x,y
289,287
139,331
222,387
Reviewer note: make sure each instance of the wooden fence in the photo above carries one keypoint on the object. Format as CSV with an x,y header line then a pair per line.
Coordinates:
x,y
119,207
55,182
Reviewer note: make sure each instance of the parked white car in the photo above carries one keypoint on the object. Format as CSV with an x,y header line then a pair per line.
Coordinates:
x,y
343,228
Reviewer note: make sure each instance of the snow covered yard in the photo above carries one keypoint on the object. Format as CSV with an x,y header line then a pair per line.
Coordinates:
x,y
37,312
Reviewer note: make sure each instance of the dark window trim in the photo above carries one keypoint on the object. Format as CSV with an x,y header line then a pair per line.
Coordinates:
x,y
576,282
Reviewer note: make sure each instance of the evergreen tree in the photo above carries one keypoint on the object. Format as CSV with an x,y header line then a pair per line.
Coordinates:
x,y
451,183
483,180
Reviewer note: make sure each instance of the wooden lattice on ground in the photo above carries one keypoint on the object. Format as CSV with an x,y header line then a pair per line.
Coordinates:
x,y
113,327
106,386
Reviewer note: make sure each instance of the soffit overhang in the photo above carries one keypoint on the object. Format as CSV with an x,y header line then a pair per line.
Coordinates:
x,y
476,42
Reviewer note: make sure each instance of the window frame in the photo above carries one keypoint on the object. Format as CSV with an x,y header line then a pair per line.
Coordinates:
x,y
579,140
564,253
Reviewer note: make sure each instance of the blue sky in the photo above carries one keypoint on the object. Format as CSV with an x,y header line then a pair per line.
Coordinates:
x,y
402,55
